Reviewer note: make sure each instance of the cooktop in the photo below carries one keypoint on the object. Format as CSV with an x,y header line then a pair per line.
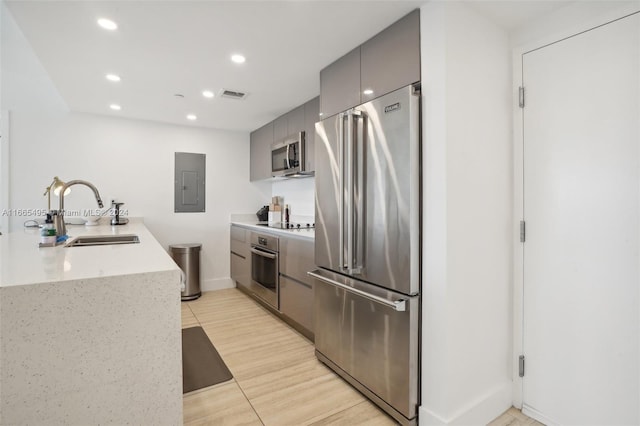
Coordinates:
x,y
288,225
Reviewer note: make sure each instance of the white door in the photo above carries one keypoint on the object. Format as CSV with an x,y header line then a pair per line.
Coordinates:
x,y
582,211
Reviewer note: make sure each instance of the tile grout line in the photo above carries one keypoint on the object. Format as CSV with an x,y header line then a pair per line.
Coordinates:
x,y
249,401
234,378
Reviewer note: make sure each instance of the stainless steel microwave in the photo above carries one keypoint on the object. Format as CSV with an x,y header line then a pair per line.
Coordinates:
x,y
287,156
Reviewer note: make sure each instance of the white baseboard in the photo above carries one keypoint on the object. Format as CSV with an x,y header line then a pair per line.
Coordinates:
x,y
536,415
480,412
217,284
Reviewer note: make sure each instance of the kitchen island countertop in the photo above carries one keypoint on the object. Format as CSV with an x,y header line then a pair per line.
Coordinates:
x,y
22,262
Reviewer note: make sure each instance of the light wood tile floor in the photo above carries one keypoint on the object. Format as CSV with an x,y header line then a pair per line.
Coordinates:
x,y
277,379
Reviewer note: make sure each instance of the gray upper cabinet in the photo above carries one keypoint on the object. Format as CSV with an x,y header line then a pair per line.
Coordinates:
x,y
340,84
311,116
280,128
388,61
295,120
288,124
260,155
391,59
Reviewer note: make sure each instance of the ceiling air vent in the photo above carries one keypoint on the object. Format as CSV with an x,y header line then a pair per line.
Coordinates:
x,y
232,94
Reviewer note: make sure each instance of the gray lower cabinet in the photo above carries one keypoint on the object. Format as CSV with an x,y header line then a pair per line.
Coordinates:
x,y
296,288
260,154
240,256
296,302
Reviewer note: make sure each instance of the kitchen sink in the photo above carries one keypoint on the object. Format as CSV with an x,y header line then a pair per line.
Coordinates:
x,y
102,240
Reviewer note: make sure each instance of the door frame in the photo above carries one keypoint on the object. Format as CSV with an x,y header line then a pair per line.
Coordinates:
x,y
518,175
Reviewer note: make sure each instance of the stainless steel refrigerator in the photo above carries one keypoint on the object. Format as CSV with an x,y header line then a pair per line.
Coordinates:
x,y
367,285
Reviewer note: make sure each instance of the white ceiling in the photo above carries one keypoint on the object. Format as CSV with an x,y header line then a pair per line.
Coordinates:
x,y
166,47
163,48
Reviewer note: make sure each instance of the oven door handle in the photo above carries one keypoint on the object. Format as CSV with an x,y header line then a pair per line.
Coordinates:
x,y
263,253
397,305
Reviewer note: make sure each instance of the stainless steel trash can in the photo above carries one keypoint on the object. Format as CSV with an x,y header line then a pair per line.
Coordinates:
x,y
187,256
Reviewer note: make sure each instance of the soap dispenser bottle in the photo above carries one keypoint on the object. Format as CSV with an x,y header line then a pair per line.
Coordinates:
x,y
48,232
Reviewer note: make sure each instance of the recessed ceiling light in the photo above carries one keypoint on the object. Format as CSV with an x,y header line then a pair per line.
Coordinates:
x,y
368,92
115,107
207,93
192,117
238,59
113,77
107,24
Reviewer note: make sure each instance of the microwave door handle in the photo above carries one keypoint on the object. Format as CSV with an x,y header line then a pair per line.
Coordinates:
x,y
288,161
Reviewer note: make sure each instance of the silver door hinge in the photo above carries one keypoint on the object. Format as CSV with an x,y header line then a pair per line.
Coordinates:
x,y
522,231
521,96
521,366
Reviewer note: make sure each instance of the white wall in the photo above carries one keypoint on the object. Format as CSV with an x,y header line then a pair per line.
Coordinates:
x,y
466,347
129,160
299,194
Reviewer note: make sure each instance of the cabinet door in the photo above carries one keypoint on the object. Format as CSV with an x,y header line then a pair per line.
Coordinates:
x,y
391,59
296,301
340,84
311,111
280,128
295,120
260,155
239,270
240,259
297,257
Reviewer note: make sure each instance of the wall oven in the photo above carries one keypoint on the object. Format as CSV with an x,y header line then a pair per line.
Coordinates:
x,y
288,156
264,268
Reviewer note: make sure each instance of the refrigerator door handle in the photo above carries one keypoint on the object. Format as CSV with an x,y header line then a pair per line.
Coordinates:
x,y
397,305
341,189
360,204
349,187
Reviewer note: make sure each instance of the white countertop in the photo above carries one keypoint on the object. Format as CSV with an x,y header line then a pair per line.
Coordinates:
x,y
306,234
22,262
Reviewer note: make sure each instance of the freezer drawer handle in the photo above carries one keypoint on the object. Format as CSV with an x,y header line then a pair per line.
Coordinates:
x,y
397,305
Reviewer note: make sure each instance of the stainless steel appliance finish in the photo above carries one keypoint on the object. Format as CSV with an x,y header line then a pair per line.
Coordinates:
x,y
264,268
368,192
187,257
288,156
372,335
367,291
